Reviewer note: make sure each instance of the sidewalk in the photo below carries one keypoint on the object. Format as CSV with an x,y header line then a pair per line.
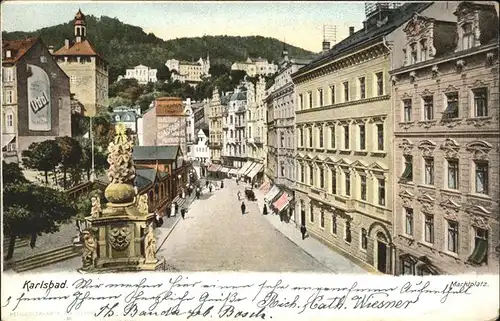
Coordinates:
x,y
329,258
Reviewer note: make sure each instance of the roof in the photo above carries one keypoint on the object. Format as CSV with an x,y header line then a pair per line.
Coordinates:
x,y
225,99
84,48
155,152
242,95
365,37
18,49
206,132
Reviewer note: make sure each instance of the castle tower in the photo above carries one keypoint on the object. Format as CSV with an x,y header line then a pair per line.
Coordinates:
x,y
80,27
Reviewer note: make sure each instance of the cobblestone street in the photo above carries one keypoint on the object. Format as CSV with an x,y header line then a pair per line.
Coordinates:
x,y
216,236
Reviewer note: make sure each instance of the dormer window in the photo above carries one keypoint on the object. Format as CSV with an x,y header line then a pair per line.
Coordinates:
x,y
8,54
413,53
423,50
468,36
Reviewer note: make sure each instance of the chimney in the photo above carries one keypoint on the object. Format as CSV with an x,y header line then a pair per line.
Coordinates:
x,y
51,49
351,31
326,46
66,43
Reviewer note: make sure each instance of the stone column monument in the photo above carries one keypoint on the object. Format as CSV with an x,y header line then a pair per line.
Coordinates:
x,y
121,236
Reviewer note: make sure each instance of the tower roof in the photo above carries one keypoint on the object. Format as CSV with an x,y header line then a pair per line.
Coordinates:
x,y
79,18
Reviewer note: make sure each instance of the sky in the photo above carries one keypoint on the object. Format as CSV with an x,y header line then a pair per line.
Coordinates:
x,y
297,23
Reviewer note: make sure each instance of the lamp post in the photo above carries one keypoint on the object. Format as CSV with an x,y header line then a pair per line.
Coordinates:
x,y
91,134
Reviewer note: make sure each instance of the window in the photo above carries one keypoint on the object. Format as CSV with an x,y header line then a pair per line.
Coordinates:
x,y
453,174
301,137
322,219
413,53
301,102
468,36
362,138
334,181
8,54
321,177
429,171
481,177
8,74
310,137
332,94
480,253
320,97
334,224
362,88
9,120
348,237
480,102
73,79
346,91
453,236
408,267
423,50
451,110
380,83
332,136
320,130
347,183
429,228
311,175
346,137
380,136
364,239
310,95
407,110
282,139
9,97
381,192
408,171
409,221
311,214
428,107
302,173
363,187
282,167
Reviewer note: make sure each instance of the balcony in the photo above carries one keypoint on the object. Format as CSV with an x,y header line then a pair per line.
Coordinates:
x,y
239,125
258,140
224,127
230,140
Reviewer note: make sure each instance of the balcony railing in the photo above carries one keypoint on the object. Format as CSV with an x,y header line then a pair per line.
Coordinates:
x,y
258,140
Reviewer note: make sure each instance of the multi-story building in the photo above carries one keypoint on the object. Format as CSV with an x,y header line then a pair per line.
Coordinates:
x,y
255,67
87,70
131,118
190,133
201,153
190,72
215,127
165,124
142,73
343,189
36,97
445,106
280,165
233,123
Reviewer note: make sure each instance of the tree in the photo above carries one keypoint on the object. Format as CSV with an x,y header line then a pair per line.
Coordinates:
x,y
43,156
118,101
71,154
30,210
237,76
100,161
163,74
217,70
12,174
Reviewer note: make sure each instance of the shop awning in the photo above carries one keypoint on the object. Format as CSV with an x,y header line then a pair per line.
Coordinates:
x,y
272,193
214,168
257,168
282,202
244,168
7,139
233,171
224,169
249,169
480,251
265,187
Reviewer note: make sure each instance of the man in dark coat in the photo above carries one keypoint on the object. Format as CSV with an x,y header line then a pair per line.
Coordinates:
x,y
243,208
265,210
183,212
176,208
206,184
210,188
222,184
303,231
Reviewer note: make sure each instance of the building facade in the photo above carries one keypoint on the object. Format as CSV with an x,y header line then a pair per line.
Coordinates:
x,y
87,70
215,127
280,163
131,118
36,97
142,73
165,124
445,90
343,189
190,72
190,133
255,67
201,153
233,125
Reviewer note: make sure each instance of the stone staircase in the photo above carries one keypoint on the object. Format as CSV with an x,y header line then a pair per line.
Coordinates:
x,y
47,258
19,243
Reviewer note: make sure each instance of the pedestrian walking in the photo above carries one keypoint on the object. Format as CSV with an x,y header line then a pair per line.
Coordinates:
x,y
222,184
210,188
176,208
264,211
243,208
303,230
237,181
206,184
158,220
239,195
198,193
183,212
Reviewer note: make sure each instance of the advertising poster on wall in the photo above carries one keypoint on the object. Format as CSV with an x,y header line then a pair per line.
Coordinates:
x,y
172,131
39,104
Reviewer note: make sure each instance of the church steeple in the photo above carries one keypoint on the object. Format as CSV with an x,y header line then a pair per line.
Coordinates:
x,y
284,53
80,27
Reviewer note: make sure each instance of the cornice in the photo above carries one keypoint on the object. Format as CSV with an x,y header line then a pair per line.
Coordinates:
x,y
348,103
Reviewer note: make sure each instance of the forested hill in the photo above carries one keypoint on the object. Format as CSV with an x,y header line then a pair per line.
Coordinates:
x,y
124,45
